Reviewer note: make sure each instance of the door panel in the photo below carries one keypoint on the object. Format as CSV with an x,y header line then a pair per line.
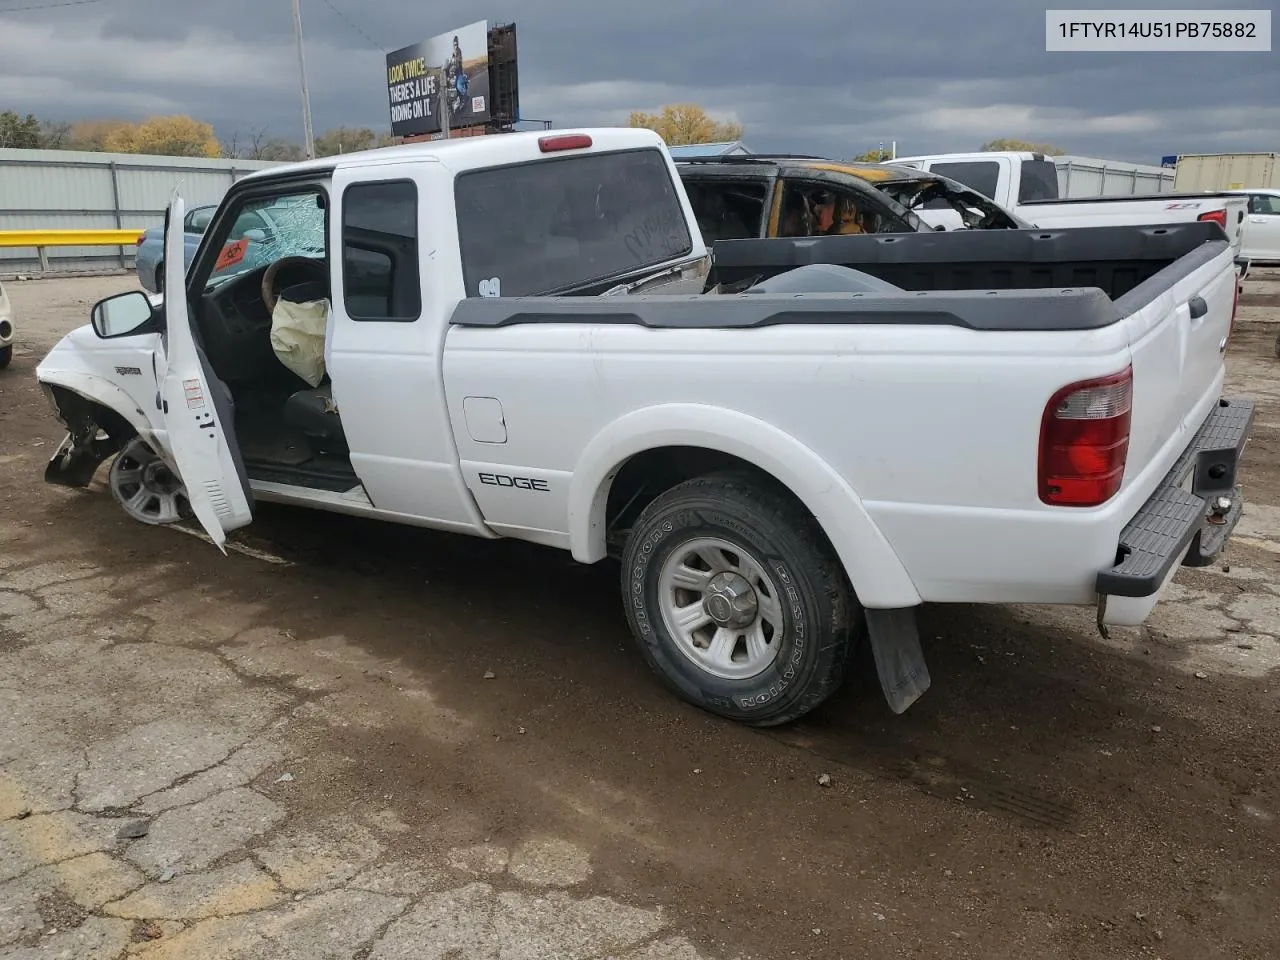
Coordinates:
x,y
198,409
393,224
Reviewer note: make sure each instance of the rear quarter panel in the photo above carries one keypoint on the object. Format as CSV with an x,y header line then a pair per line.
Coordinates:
x,y
934,429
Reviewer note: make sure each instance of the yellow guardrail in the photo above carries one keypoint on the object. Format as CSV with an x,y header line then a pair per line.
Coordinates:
x,y
69,238
42,239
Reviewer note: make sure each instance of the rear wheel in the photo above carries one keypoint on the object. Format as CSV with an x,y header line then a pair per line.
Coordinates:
x,y
160,277
737,600
6,355
145,487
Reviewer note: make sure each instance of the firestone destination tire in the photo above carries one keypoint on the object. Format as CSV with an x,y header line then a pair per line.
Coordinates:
x,y
737,601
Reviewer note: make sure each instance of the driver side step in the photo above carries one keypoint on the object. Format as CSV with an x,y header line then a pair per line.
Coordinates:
x,y
333,477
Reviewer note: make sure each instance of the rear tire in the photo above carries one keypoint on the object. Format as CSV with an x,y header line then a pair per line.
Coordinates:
x,y
737,601
6,356
160,277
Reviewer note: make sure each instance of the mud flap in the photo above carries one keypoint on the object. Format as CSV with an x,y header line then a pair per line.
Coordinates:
x,y
895,641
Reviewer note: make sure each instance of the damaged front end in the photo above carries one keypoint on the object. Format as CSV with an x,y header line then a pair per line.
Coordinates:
x,y
94,433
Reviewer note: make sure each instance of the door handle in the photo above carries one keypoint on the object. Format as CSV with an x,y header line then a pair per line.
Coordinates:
x,y
1198,307
1257,220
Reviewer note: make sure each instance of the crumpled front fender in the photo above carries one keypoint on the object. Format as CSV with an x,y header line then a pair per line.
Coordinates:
x,y
91,405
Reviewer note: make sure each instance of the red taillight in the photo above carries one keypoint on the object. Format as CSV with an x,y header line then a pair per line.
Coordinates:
x,y
1217,216
1084,441
564,141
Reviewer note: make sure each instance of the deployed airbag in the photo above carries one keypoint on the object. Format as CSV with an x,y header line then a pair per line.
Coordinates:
x,y
298,337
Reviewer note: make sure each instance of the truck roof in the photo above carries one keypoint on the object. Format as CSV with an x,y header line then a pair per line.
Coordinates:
x,y
873,172
466,153
975,154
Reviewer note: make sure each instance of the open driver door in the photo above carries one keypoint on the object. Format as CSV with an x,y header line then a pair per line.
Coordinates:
x,y
198,410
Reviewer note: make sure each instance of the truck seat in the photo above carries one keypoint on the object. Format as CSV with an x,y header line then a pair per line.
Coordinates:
x,y
313,412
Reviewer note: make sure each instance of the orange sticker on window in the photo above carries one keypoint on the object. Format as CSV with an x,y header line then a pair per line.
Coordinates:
x,y
232,254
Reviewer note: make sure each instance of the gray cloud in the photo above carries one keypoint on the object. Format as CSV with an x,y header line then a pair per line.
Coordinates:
x,y
823,76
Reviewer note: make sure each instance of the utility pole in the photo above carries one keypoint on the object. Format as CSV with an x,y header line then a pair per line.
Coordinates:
x,y
302,70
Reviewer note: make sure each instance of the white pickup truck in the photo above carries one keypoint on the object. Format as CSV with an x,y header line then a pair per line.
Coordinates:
x,y
1026,184
521,342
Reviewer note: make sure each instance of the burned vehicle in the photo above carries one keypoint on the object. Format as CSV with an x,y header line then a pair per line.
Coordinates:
x,y
759,197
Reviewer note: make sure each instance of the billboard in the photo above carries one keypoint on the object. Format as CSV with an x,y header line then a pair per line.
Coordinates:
x,y
449,72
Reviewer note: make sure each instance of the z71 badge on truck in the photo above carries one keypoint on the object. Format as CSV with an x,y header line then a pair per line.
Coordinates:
x,y
518,336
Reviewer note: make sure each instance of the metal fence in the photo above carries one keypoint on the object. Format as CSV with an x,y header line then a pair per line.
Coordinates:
x,y
61,189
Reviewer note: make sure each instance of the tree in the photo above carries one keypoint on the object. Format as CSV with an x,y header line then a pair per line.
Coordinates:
x,y
92,135
54,135
278,149
349,140
686,123
874,155
1021,146
22,133
344,140
256,144
175,136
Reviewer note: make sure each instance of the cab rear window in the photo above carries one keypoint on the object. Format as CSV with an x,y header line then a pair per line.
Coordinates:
x,y
555,225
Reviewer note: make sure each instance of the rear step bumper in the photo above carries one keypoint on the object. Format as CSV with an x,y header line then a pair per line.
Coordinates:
x,y
1190,516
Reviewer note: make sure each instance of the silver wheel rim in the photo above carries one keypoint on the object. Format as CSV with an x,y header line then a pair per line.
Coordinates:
x,y
721,607
144,485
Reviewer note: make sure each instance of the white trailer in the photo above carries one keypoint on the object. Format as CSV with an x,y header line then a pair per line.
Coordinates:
x,y
1227,171
1092,177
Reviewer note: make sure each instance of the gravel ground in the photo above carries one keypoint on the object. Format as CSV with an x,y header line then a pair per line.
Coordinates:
x,y
356,740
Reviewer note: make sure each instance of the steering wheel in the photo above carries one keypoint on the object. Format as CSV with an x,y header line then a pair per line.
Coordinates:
x,y
269,295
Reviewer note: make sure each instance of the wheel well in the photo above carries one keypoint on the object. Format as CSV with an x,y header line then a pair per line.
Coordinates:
x,y
646,476
80,413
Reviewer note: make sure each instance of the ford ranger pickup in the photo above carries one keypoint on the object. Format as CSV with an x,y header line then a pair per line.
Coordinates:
x,y
787,450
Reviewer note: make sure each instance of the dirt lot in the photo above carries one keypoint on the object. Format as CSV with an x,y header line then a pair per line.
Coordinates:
x,y
354,740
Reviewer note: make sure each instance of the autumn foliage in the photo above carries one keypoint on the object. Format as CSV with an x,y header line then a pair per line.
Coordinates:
x,y
683,123
176,136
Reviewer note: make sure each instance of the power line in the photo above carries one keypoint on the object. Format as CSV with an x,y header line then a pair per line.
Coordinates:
x,y
49,6
350,23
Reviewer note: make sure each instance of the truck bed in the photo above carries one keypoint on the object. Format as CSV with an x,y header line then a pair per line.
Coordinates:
x,y
1116,260
1024,280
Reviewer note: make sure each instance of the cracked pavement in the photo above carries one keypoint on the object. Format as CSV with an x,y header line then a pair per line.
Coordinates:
x,y
197,741
353,740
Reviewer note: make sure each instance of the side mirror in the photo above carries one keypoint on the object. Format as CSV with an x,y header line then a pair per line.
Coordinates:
x,y
255,235
124,315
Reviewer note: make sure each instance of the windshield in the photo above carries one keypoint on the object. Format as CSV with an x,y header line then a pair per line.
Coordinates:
x,y
268,229
559,225
975,210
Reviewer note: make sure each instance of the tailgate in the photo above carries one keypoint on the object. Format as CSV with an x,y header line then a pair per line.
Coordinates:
x,y
1178,323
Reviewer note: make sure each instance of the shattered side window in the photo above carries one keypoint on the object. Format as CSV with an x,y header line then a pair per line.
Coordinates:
x,y
267,229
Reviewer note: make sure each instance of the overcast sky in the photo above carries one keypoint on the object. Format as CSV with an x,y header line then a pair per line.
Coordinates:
x,y
822,76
